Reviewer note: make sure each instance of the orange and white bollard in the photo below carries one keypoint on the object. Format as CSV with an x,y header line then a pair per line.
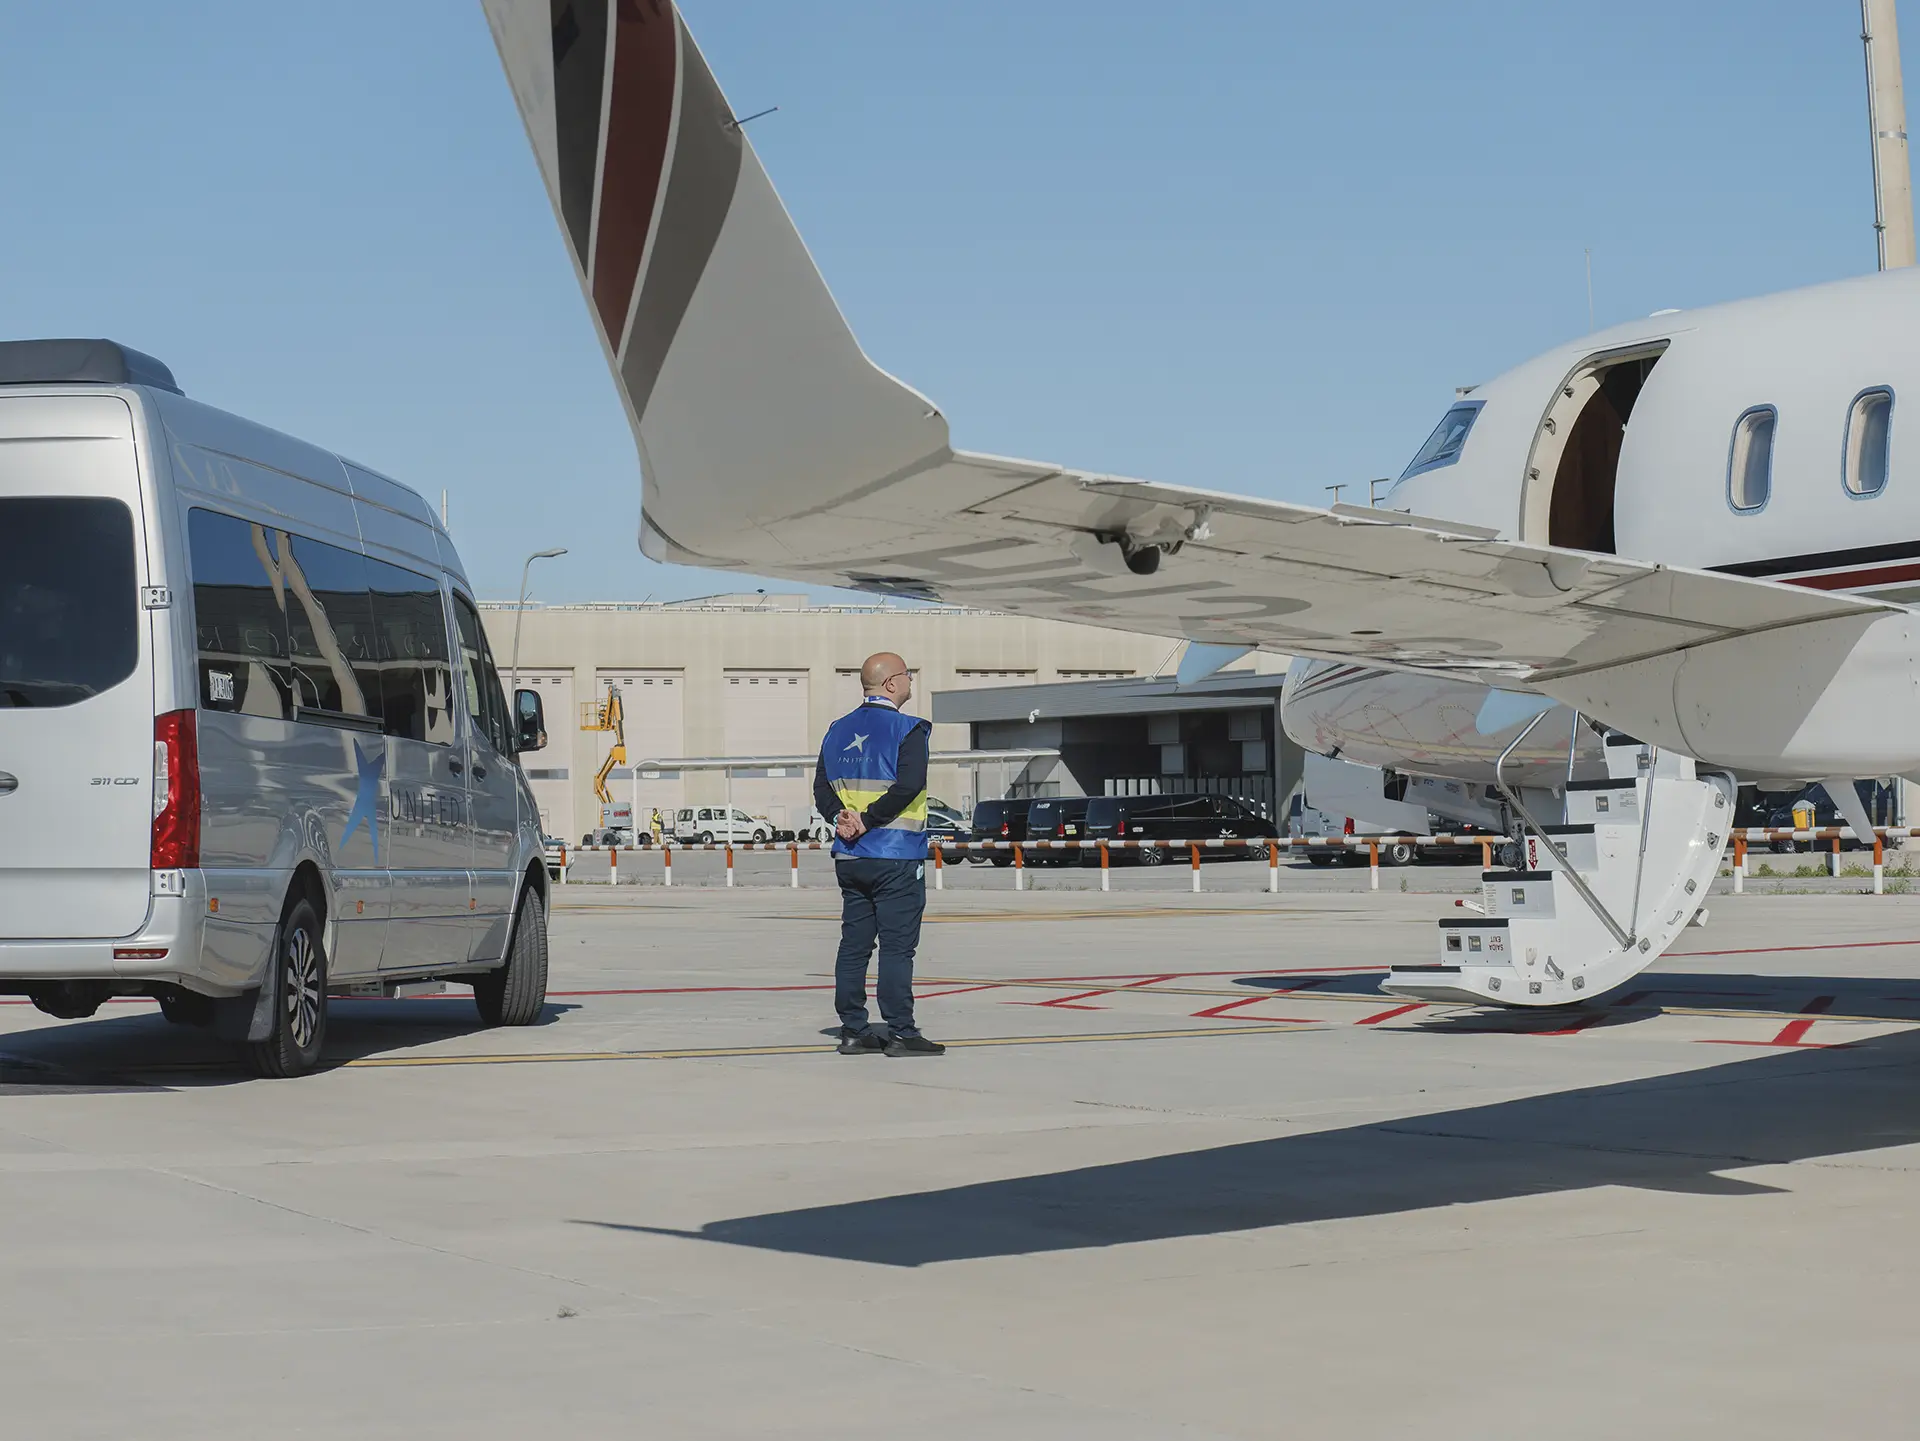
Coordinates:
x,y
729,862
613,865
1196,868
563,865
1879,861
1833,861
1486,855
1106,868
1273,868
1373,865
666,861
939,867
1739,865
1019,870
793,873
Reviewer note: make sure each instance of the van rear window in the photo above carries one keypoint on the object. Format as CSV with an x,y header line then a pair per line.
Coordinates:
x,y
69,616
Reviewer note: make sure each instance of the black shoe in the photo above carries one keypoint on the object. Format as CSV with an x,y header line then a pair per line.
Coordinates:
x,y
860,1043
914,1046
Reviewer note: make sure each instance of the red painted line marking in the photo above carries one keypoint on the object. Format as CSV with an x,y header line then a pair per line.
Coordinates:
x,y
1378,1016
1066,1003
1574,1029
957,991
1792,1033
1218,1012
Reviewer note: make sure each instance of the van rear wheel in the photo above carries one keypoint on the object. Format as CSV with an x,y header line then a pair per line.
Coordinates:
x,y
299,982
516,993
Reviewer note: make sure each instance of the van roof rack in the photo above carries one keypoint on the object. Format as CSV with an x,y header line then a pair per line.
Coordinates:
x,y
92,362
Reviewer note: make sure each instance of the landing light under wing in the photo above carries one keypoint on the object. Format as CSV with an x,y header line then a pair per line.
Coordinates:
x,y
770,443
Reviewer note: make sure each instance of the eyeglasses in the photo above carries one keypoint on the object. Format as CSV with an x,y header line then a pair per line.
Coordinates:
x,y
897,675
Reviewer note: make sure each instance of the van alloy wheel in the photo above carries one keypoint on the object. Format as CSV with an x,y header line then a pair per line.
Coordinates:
x,y
301,986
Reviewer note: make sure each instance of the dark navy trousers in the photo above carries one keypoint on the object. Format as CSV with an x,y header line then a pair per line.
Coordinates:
x,y
883,900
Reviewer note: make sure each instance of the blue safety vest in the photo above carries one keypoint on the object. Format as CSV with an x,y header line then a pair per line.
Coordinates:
x,y
861,757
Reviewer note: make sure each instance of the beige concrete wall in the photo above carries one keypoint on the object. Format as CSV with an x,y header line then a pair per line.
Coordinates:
x,y
705,641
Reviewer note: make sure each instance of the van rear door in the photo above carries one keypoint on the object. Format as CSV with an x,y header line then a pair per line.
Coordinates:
x,y
76,672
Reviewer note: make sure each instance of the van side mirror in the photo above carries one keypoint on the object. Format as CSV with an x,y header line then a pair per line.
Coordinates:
x,y
529,722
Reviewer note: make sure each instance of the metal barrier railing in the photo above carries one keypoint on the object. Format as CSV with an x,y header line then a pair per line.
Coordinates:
x,y
1738,843
1019,850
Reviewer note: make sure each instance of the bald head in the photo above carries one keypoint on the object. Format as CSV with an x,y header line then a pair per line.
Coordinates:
x,y
874,673
886,674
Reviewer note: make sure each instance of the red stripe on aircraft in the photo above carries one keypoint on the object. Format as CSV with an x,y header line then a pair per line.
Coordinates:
x,y
638,121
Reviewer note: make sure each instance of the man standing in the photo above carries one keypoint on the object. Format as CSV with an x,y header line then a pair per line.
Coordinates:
x,y
872,778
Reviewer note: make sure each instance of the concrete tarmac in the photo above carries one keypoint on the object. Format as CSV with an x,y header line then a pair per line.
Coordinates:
x,y
1184,1173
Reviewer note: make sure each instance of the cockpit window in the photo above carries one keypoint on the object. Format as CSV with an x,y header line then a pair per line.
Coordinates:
x,y
1449,437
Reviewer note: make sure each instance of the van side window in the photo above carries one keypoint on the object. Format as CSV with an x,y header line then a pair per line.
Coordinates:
x,y
485,704
1869,442
1750,462
416,674
239,612
330,628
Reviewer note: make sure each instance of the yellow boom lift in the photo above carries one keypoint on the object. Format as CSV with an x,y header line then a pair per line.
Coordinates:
x,y
607,715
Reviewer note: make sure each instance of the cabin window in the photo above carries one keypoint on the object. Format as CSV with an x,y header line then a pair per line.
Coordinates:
x,y
1869,442
1750,465
1449,438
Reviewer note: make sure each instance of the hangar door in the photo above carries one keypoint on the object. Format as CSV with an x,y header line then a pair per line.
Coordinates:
x,y
765,714
656,730
550,771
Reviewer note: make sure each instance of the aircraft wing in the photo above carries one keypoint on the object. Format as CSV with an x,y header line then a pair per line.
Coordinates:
x,y
770,443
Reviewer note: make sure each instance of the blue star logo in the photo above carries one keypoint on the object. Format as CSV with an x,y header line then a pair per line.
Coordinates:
x,y
858,743
366,801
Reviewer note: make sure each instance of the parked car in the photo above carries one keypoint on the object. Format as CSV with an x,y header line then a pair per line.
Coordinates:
x,y
1174,817
710,825
945,823
999,821
1056,818
555,851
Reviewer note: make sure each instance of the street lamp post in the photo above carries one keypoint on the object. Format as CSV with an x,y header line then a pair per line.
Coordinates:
x,y
519,612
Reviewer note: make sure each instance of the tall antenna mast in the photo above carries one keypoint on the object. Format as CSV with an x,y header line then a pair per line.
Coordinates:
x,y
1887,125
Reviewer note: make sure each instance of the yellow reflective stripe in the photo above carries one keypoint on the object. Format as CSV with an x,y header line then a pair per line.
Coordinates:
x,y
857,798
913,818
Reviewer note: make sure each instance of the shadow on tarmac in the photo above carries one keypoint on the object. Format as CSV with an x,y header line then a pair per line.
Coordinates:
x,y
1668,1133
138,1050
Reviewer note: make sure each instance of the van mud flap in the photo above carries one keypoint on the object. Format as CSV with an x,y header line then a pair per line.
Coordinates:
x,y
245,1017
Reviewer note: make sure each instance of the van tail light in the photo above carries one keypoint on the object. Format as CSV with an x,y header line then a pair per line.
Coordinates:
x,y
1349,827
1061,829
176,791
1006,828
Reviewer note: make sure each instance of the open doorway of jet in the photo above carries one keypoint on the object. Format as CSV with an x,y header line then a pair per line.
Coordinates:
x,y
1616,583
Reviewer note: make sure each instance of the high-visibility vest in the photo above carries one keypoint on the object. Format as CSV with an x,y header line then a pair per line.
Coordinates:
x,y
861,757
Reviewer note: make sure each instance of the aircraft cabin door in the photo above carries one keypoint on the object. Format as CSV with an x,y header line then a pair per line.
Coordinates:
x,y
1568,496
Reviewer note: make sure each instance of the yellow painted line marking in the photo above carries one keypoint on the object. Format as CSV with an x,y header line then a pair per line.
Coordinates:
x,y
815,1049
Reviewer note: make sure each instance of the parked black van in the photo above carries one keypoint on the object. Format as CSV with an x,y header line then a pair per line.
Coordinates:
x,y
1056,818
1176,817
999,821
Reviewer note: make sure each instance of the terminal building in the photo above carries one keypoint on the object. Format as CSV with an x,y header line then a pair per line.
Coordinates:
x,y
761,676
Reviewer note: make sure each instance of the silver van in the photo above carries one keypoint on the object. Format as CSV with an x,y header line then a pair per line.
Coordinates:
x,y
253,748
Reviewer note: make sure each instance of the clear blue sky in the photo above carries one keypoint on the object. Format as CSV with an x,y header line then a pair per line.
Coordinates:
x,y
1236,243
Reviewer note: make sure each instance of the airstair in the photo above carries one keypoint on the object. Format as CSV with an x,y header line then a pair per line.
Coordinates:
x,y
1598,898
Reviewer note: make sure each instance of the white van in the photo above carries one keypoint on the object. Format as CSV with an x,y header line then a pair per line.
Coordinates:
x,y
706,825
253,747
